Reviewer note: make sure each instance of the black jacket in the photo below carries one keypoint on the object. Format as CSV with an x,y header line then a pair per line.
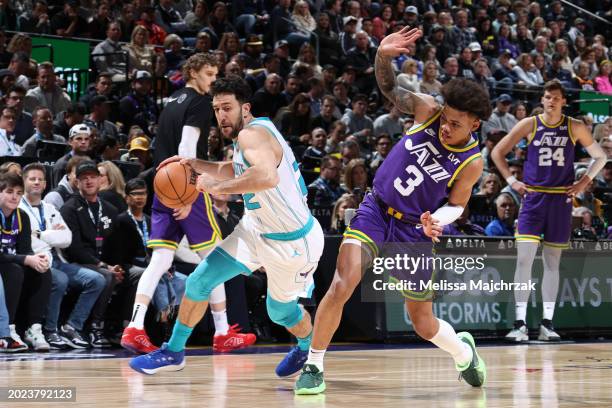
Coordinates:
x,y
126,243
83,250
23,243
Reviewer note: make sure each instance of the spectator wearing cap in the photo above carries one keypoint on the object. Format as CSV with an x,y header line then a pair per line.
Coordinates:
x,y
138,108
501,118
476,50
577,30
141,55
346,37
281,50
357,122
69,22
80,144
47,93
98,118
23,122
362,58
463,32
516,169
8,147
501,17
43,121
20,64
411,16
7,80
110,55
37,20
252,54
330,51
268,100
556,71
92,220
502,68
140,151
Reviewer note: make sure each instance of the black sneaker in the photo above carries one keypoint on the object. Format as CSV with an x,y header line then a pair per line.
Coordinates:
x,y
56,342
73,337
97,338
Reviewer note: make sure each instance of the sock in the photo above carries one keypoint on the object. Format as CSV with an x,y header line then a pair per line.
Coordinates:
x,y
551,258
304,342
180,335
221,325
315,357
549,310
138,315
520,311
447,340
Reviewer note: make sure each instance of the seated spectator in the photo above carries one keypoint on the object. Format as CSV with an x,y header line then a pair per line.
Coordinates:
x,y
24,127
327,115
25,275
503,69
257,77
203,42
330,51
429,84
482,75
197,19
341,92
173,45
142,55
112,185
295,122
50,234
67,185
43,121
316,151
516,169
64,121
168,18
390,123
69,22
98,118
252,54
7,343
501,118
335,137
602,80
482,205
91,220
47,93
451,70
361,57
268,101
464,226
384,144
350,150
582,78
503,224
605,179
587,199
80,143
102,87
410,79
99,23
7,80
8,147
356,179
357,122
338,219
157,34
114,62
215,144
327,185
140,151
527,72
466,70
138,108
36,21
556,71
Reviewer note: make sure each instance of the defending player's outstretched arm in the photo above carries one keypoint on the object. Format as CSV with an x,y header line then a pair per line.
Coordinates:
x,y
263,154
421,105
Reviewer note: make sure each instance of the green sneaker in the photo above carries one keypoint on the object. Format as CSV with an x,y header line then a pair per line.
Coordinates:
x,y
475,373
311,381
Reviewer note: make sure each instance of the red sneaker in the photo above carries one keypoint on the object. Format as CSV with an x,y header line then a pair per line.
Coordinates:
x,y
233,340
137,341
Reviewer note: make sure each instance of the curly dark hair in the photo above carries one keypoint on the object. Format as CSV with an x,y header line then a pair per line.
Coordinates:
x,y
467,95
232,85
196,62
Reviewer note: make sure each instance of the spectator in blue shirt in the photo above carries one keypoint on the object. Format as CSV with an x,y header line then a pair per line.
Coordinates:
x,y
503,224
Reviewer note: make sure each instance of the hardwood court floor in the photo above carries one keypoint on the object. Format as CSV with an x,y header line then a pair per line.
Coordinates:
x,y
563,375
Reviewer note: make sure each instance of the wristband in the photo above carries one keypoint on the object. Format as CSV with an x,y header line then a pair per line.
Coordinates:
x,y
511,180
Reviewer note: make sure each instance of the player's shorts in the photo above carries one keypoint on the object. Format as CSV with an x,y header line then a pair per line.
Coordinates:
x,y
386,236
545,216
200,226
289,264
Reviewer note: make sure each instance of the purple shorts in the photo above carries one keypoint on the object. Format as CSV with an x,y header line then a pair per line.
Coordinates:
x,y
545,216
200,226
388,237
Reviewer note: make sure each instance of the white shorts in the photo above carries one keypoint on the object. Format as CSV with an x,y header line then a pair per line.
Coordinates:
x,y
289,265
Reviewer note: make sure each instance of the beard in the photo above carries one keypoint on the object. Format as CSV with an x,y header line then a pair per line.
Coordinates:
x,y
237,127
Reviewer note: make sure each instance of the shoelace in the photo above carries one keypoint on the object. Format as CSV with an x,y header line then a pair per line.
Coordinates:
x,y
234,329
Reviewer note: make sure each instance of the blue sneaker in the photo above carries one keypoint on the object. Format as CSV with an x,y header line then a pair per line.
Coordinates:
x,y
159,360
292,363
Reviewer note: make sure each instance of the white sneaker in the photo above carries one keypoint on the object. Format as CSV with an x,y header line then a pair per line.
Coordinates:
x,y
547,331
16,337
36,339
519,333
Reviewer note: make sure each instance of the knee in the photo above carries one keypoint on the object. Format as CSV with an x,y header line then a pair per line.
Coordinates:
x,y
96,281
59,281
344,283
200,283
286,314
424,325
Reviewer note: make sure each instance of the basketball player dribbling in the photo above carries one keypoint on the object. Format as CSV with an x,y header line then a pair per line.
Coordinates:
x,y
546,209
431,170
183,130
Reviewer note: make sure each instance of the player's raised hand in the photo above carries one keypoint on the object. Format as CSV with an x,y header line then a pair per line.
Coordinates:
x,y
397,43
430,226
168,161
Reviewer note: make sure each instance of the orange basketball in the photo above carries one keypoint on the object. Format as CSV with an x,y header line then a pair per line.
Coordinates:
x,y
174,185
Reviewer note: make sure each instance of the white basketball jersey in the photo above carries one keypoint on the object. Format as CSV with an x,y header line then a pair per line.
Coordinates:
x,y
282,209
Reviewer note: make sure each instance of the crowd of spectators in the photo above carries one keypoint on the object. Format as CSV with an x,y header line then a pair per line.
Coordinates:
x,y
310,65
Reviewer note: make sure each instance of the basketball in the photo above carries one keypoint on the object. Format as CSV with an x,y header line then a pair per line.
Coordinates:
x,y
175,185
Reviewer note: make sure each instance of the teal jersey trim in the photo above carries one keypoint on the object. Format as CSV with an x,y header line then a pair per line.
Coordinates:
x,y
291,236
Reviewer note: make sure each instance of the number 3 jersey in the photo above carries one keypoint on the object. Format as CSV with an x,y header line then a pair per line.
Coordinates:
x,y
420,170
550,155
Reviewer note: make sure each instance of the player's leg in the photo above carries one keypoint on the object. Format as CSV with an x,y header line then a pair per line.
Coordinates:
x,y
460,346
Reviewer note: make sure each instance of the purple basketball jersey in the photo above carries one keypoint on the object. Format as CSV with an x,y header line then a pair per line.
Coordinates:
x,y
550,154
420,170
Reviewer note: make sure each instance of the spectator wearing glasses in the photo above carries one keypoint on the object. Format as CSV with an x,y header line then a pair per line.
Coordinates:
x,y
8,146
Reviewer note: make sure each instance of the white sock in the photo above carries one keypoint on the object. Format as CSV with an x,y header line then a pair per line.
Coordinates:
x,y
520,310
221,326
138,315
549,310
315,357
447,340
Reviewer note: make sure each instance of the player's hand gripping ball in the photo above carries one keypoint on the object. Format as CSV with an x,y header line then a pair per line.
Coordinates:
x,y
175,185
